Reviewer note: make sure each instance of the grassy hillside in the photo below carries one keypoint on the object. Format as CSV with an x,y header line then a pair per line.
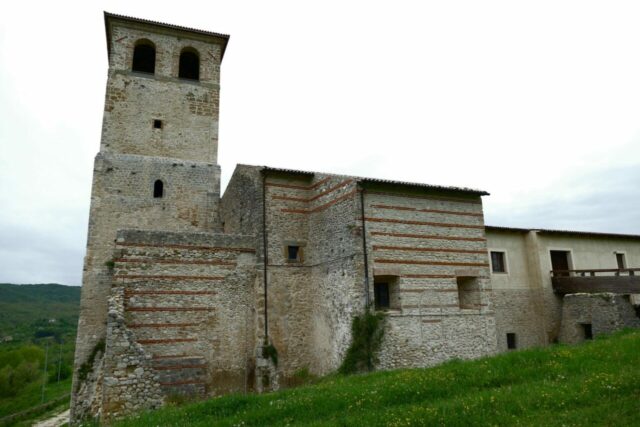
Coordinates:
x,y
597,383
27,309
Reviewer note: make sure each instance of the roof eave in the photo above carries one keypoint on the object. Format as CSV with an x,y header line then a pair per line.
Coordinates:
x,y
108,16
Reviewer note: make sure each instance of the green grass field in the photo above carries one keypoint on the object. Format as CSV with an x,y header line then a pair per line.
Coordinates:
x,y
597,383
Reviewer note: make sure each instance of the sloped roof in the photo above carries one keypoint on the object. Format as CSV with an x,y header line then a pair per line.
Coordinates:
x,y
109,16
366,180
566,232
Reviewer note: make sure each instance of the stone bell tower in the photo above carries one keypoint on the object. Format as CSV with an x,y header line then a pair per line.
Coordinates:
x,y
157,166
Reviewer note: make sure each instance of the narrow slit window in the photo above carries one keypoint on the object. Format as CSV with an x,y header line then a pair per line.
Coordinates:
x,y
381,295
293,253
622,263
158,189
511,341
144,57
189,64
588,331
157,124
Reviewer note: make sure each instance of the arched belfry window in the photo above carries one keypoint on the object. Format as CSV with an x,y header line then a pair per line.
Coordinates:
x,y
144,57
158,189
189,64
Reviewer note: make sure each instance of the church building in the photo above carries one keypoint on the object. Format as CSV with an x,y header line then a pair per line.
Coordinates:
x,y
190,292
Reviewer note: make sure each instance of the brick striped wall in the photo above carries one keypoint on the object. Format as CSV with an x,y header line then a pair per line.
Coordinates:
x,y
187,302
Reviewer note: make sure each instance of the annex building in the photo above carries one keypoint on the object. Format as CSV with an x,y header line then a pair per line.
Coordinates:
x,y
183,287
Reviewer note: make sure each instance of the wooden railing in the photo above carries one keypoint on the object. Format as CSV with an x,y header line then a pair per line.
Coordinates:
x,y
616,280
595,271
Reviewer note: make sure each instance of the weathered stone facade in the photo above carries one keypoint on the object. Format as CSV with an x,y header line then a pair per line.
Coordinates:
x,y
186,292
585,316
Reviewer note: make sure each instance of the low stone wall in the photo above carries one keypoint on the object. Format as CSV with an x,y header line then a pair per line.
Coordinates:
x,y
180,321
604,312
518,312
130,383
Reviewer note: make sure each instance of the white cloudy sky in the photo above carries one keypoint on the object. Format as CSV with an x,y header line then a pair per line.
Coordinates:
x,y
537,102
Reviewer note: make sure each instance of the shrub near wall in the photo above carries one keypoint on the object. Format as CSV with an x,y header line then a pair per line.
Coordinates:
x,y
367,332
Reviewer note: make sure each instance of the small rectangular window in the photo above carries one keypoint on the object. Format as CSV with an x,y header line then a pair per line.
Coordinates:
x,y
381,295
497,262
588,331
511,340
157,124
293,253
622,263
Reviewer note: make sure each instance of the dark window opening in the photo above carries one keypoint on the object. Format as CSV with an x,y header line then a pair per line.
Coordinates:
x,y
497,262
381,295
158,189
157,124
293,253
144,58
588,331
621,261
511,340
189,65
560,263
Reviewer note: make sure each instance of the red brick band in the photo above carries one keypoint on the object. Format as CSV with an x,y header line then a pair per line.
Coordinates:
x,y
127,292
161,325
298,187
405,208
317,196
173,356
167,341
321,207
429,276
411,196
174,261
473,305
150,277
153,309
192,247
331,190
176,367
408,261
289,198
428,236
429,306
418,249
175,383
432,224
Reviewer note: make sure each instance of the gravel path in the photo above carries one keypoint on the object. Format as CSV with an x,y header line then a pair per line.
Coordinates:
x,y
56,421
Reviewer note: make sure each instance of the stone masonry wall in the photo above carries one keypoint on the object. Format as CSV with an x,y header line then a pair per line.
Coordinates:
x,y
290,292
182,152
188,109
424,244
336,253
425,241
605,312
122,197
516,312
130,383
188,303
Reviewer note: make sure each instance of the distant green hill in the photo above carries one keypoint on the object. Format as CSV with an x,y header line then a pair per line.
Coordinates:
x,y
36,311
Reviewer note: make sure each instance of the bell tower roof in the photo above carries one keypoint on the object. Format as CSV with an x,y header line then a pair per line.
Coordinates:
x,y
148,25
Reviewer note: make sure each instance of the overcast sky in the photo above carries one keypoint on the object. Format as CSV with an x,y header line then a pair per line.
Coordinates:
x,y
536,102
